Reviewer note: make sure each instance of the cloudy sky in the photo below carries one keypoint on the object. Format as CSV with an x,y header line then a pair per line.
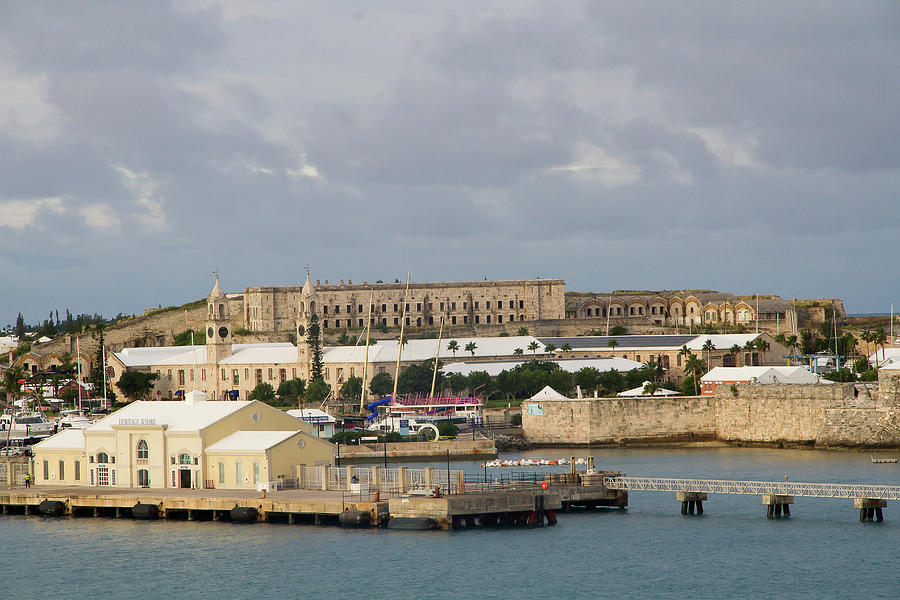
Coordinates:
x,y
612,144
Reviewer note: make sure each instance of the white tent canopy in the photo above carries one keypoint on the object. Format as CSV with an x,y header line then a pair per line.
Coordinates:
x,y
639,391
548,393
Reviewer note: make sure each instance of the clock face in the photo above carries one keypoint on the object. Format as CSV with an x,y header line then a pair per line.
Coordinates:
x,y
223,332
209,332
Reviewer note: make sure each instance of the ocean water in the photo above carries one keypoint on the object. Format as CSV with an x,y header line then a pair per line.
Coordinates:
x,y
647,551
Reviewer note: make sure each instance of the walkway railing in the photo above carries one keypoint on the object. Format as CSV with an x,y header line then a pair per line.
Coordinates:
x,y
786,488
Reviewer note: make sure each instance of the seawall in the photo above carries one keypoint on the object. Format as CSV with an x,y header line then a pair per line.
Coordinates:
x,y
826,416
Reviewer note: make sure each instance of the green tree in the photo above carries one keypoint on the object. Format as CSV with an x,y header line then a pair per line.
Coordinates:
x,y
264,392
549,348
291,391
381,384
457,382
135,385
588,379
416,378
734,351
189,336
763,346
453,346
522,331
344,339
471,347
518,352
317,391
696,369
612,344
314,341
69,395
95,377
567,347
447,428
533,346
709,347
618,330
20,327
352,389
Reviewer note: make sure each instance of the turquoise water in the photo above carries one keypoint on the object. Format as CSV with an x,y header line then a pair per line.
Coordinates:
x,y
650,550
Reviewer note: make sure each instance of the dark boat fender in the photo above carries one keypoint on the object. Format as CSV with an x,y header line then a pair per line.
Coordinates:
x,y
412,523
52,508
145,511
355,518
244,514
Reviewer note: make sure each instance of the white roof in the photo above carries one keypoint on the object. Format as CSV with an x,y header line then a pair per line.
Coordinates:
x,y
888,356
250,441
722,341
639,391
177,415
761,374
548,393
44,339
312,414
275,353
67,439
420,350
571,365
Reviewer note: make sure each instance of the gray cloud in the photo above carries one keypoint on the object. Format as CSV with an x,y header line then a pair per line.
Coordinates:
x,y
615,145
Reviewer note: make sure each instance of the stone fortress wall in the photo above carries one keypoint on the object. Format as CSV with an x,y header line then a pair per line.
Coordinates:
x,y
838,416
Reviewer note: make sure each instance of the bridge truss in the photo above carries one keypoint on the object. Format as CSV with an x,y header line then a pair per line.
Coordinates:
x,y
785,488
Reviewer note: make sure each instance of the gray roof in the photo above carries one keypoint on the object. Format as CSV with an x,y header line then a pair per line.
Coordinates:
x,y
622,341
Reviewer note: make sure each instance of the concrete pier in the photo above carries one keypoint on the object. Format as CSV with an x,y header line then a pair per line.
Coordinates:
x,y
777,505
870,509
691,502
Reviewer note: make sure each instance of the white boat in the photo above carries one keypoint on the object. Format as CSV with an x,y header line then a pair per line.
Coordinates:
x,y
73,419
26,425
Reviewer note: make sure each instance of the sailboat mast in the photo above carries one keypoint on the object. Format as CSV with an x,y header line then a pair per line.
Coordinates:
x,y
437,354
402,324
362,397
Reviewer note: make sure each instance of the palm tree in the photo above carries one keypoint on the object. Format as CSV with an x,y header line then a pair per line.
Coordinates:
x,y
470,347
612,343
567,347
880,338
791,342
518,352
453,346
750,347
734,351
697,369
709,347
650,388
533,346
761,345
522,331
549,348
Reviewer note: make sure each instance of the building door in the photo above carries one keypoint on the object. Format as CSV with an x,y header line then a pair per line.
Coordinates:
x,y
184,478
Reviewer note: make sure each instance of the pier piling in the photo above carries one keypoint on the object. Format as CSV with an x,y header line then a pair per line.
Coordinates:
x,y
870,509
691,502
777,505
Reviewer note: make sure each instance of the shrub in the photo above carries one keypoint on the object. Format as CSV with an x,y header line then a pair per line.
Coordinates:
x,y
447,428
516,420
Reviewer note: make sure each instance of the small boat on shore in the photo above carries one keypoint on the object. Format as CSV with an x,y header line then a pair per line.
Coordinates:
x,y
879,461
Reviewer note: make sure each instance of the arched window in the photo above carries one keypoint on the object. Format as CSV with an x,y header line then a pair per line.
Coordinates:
x,y
143,450
184,458
102,457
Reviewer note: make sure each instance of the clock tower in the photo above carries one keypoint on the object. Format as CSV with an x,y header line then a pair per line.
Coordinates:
x,y
306,308
218,340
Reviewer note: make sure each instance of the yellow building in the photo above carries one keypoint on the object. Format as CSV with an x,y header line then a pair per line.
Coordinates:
x,y
182,444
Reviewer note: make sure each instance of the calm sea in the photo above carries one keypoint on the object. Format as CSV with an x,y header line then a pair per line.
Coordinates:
x,y
648,551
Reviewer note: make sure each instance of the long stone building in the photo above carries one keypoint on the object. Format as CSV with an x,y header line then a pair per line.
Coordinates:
x,y
344,305
698,308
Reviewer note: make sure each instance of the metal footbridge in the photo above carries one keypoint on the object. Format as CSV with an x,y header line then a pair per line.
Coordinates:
x,y
781,488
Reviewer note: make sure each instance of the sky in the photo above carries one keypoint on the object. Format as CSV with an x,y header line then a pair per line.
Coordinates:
x,y
740,147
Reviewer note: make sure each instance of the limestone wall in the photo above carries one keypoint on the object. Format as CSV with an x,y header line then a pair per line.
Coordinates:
x,y
617,420
823,415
